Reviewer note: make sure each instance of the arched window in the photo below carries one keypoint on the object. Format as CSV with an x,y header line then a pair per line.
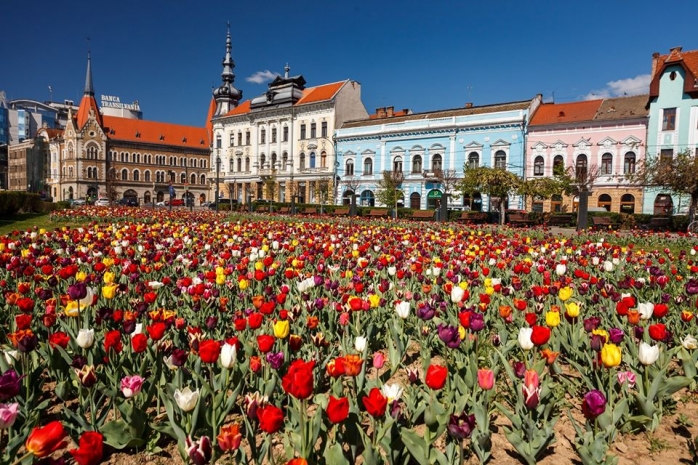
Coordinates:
x,y
581,168
231,164
146,176
538,166
605,202
606,164
556,203
239,164
417,164
558,164
415,201
627,203
273,161
247,164
368,167
92,152
349,168
136,175
629,164
262,161
368,199
284,161
202,179
500,160
473,160
436,162
183,178
124,174
323,159
301,165
312,159
193,178
397,166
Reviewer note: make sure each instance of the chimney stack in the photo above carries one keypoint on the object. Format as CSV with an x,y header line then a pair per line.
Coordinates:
x,y
380,112
655,63
390,112
469,105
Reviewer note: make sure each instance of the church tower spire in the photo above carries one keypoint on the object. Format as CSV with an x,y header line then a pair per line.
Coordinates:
x,y
88,104
227,96
89,90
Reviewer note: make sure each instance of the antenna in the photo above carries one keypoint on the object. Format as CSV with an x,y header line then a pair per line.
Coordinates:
x,y
469,89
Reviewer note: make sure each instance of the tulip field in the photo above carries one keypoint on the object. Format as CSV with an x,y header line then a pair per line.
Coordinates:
x,y
154,336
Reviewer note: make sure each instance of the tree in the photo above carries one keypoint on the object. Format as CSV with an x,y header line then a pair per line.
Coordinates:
x,y
495,182
448,180
270,185
323,190
388,192
676,173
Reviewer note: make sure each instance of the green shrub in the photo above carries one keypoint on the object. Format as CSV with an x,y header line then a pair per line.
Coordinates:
x,y
12,202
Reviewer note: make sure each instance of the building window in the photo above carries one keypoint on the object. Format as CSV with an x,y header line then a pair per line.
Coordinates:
x,y
193,178
500,160
368,199
558,165
323,159
627,204
538,166
312,159
231,164
263,136
349,170
285,136
247,138
302,131
183,178
629,163
323,129
301,165
239,138
202,179
666,155
537,204
247,164
606,164
273,161
368,167
284,161
581,168
273,135
397,164
473,160
669,119
556,203
262,161
239,164
417,164
313,130
219,143
232,139
136,175
146,176
124,175
436,163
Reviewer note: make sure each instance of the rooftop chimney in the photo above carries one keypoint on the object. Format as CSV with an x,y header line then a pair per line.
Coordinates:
x,y
655,62
390,111
380,112
468,104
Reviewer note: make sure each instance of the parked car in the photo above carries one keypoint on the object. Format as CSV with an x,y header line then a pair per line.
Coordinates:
x,y
78,202
129,202
102,203
175,202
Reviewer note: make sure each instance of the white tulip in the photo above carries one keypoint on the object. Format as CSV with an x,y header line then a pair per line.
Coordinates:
x,y
186,398
525,338
138,329
594,261
689,342
118,250
646,310
392,270
496,281
275,245
402,309
457,294
648,354
360,343
608,266
229,355
11,356
168,363
87,300
616,261
86,337
391,391
560,269
155,285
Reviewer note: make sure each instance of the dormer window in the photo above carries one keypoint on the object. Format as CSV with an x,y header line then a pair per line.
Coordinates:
x,y
184,139
162,137
138,134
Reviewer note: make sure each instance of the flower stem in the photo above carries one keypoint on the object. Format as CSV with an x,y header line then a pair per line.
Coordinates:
x,y
21,459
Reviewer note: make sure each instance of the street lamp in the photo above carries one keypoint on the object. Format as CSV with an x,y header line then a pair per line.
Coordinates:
x,y
218,172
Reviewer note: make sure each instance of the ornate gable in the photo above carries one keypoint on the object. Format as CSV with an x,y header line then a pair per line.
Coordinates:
x,y
607,142
501,143
631,141
539,146
474,146
582,143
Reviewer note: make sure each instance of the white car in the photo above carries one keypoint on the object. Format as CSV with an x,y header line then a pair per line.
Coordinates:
x,y
102,203
160,204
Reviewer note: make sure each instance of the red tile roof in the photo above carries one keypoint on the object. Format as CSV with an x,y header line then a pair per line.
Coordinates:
x,y
88,102
310,95
209,117
396,113
554,113
152,132
687,59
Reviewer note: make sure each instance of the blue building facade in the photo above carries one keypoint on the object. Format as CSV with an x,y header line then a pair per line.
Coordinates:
x,y
673,121
421,145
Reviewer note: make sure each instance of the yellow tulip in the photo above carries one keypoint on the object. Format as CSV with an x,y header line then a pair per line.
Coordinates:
x,y
375,300
220,279
552,319
80,276
243,284
565,293
281,329
461,333
489,290
572,309
108,277
71,309
463,285
610,355
109,291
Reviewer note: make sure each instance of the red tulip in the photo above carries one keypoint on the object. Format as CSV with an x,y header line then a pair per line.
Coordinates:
x,y
660,310
25,304
658,331
299,380
436,377
112,340
58,338
265,342
23,321
156,331
338,409
540,335
209,350
43,441
139,342
90,448
375,403
271,418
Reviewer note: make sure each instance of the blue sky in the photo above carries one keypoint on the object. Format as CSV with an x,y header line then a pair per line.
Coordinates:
x,y
422,55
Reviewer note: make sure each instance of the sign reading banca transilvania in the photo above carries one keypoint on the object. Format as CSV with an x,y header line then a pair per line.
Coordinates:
x,y
111,101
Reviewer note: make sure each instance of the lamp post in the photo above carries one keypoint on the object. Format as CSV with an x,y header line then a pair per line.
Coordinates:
x,y
218,173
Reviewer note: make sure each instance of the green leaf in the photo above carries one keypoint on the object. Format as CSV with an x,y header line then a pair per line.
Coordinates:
x,y
335,455
121,435
416,444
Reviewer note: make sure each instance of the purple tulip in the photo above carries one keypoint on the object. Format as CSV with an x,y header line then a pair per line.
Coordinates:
x,y
9,384
425,312
449,335
692,286
616,335
591,323
179,357
275,360
200,451
594,404
77,291
461,426
519,369
477,322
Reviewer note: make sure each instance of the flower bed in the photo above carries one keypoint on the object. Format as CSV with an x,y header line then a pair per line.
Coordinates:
x,y
337,341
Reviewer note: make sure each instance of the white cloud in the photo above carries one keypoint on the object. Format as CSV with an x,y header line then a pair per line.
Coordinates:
x,y
630,86
262,76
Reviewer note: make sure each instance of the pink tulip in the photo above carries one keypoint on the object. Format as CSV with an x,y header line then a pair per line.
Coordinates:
x,y
8,415
531,389
626,376
485,378
378,360
131,385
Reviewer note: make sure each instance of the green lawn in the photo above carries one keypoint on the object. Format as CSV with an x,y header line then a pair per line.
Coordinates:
x,y
26,221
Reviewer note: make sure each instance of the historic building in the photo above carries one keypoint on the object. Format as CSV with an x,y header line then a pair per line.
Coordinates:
x,y
428,148
278,145
673,119
602,140
102,156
